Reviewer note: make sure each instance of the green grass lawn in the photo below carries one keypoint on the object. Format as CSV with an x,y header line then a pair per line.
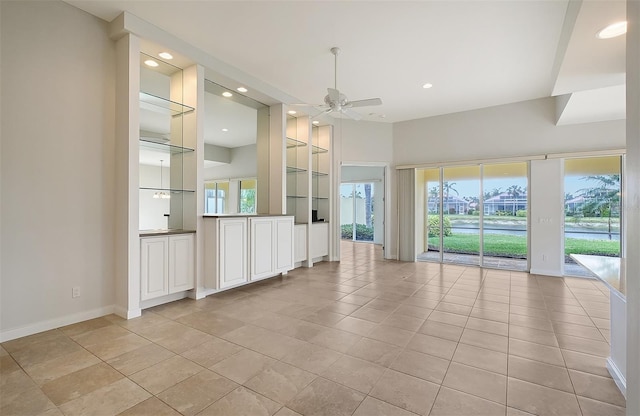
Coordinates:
x,y
500,245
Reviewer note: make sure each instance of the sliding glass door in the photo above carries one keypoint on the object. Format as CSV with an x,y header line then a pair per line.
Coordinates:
x,y
357,211
474,215
461,227
505,205
592,203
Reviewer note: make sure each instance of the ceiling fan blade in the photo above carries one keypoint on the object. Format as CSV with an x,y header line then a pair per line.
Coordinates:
x,y
352,114
364,103
334,95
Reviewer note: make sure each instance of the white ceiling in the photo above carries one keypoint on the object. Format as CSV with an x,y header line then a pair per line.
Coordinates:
x,y
476,53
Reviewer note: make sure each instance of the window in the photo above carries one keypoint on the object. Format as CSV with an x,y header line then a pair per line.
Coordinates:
x,y
216,194
592,205
248,196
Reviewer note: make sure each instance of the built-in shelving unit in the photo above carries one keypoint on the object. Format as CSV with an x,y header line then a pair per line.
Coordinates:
x,y
163,148
297,168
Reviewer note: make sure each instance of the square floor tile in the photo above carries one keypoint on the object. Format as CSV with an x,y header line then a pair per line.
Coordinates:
x,y
192,395
242,366
424,366
595,387
242,402
405,391
374,407
540,400
355,373
280,382
481,383
456,403
435,346
324,397
377,352
165,374
540,373
483,358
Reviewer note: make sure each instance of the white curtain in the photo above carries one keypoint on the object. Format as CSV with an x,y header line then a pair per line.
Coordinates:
x,y
406,214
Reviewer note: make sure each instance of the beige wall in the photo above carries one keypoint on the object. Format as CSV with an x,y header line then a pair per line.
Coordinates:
x,y
57,166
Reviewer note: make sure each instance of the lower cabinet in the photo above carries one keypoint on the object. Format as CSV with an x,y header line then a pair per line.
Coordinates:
x,y
166,265
232,252
238,250
271,246
319,240
300,243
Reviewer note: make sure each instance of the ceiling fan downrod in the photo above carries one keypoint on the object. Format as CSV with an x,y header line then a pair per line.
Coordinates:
x,y
335,51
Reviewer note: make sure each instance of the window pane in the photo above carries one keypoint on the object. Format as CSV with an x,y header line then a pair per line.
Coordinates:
x,y
461,229
505,215
248,196
592,203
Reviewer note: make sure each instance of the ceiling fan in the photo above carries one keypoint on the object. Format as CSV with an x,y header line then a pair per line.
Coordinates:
x,y
336,103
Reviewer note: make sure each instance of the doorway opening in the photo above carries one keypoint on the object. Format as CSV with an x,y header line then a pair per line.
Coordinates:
x,y
362,204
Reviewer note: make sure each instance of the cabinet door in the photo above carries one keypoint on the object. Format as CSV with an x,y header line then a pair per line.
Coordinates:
x,y
262,236
232,252
283,243
319,240
300,243
154,267
181,263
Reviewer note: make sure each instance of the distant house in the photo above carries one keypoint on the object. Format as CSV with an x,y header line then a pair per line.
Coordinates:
x,y
451,204
505,202
575,204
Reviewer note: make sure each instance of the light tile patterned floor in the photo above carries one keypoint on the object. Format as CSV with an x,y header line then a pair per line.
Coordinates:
x,y
361,337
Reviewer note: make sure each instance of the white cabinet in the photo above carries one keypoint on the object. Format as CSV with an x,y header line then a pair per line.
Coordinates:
x,y
166,265
232,252
319,240
271,246
238,250
300,243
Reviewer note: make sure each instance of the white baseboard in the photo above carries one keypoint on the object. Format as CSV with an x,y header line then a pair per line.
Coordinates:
x,y
163,299
23,331
127,314
553,273
617,376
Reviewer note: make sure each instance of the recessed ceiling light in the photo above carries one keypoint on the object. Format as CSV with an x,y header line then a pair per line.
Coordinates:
x,y
242,89
292,112
151,63
427,85
316,122
227,94
165,55
225,129
613,30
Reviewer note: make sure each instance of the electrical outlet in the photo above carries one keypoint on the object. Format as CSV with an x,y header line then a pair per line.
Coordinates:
x,y
75,292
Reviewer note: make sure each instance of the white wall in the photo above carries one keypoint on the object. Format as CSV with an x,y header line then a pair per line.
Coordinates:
x,y
546,216
244,164
57,166
520,129
369,142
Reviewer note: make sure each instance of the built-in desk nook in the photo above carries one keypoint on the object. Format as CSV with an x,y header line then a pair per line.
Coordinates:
x,y
610,270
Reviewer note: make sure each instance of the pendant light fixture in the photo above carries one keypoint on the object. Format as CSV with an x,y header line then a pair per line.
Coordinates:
x,y
161,194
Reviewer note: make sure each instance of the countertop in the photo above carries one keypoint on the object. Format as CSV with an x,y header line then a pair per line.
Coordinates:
x,y
151,233
244,215
609,270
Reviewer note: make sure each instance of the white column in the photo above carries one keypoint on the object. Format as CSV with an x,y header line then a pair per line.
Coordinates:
x,y
632,208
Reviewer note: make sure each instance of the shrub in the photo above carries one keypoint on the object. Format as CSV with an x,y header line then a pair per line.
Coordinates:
x,y
434,226
363,232
521,213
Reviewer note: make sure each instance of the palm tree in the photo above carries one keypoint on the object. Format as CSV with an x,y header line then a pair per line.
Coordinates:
x,y
514,192
496,191
603,197
448,186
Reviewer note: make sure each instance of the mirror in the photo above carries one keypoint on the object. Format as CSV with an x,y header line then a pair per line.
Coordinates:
x,y
232,125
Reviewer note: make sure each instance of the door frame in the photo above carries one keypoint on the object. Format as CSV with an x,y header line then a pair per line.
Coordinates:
x,y
386,202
